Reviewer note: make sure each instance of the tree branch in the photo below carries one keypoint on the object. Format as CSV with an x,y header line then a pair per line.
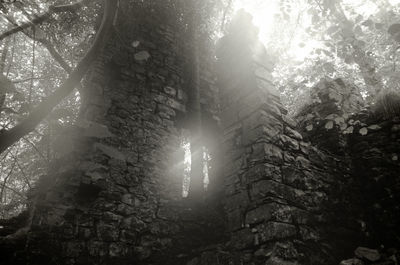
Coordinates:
x,y
5,181
32,78
41,18
53,52
11,136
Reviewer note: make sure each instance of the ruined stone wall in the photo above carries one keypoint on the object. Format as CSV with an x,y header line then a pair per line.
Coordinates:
x,y
374,148
279,190
339,123
114,196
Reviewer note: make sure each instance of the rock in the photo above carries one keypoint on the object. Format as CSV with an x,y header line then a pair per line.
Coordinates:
x,y
293,133
290,143
367,253
261,213
351,262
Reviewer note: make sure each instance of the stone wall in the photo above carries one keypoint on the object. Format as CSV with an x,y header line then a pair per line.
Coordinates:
x,y
374,149
114,195
338,122
278,188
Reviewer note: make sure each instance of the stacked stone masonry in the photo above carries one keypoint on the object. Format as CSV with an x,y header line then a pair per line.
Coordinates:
x,y
114,193
277,186
114,196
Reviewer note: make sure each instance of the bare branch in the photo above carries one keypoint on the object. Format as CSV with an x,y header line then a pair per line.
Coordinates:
x,y
53,52
11,136
32,78
22,171
41,18
228,6
34,147
5,181
15,191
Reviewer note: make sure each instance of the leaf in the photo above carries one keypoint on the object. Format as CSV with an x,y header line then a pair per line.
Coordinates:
x,y
315,19
302,45
331,116
18,97
358,30
347,33
329,125
309,127
349,59
358,18
329,68
339,120
361,43
349,130
39,34
374,127
142,55
332,29
363,131
309,116
379,26
8,111
135,43
368,23
336,96
343,126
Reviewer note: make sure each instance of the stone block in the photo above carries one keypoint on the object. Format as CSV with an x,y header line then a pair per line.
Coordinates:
x,y
304,180
352,262
274,230
261,171
267,85
243,238
235,219
231,168
251,103
303,162
278,261
273,153
293,133
107,232
229,116
267,152
368,254
264,74
260,214
170,91
289,143
237,200
261,189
